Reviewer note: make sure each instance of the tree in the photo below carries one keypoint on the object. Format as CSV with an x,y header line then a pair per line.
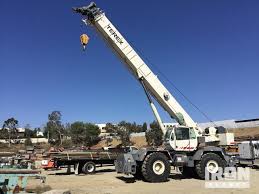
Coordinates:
x,y
124,134
134,128
108,141
10,129
154,136
28,131
110,128
67,130
54,127
122,130
144,127
84,133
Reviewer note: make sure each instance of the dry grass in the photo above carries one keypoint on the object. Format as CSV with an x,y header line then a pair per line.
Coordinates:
x,y
137,141
16,147
246,132
12,148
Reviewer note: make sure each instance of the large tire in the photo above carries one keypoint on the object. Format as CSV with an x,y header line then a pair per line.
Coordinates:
x,y
156,167
89,168
189,172
206,160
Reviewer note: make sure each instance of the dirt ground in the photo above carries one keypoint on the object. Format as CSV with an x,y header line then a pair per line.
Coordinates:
x,y
107,181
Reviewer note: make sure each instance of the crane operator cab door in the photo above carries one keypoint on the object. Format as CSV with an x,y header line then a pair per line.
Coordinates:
x,y
181,139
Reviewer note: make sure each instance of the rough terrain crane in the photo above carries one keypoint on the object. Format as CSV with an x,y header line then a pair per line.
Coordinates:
x,y
186,146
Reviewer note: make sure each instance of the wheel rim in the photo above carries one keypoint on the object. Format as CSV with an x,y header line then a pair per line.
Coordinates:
x,y
90,168
158,167
212,166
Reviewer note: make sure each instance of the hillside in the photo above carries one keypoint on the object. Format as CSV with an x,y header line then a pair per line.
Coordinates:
x,y
246,133
240,134
137,141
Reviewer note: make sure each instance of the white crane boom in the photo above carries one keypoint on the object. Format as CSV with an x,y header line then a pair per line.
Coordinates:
x,y
150,82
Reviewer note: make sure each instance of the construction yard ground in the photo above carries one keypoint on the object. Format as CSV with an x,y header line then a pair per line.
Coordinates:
x,y
107,181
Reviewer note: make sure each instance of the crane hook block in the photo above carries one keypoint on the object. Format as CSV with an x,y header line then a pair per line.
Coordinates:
x,y
84,40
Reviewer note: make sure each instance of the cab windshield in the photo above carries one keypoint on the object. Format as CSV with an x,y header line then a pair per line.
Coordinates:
x,y
182,133
168,134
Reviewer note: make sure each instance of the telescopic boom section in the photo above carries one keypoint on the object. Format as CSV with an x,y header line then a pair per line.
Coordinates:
x,y
95,17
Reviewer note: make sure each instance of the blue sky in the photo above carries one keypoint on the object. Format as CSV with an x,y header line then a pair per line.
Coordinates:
x,y
208,49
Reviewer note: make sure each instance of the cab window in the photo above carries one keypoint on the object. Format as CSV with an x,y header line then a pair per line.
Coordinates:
x,y
182,134
192,134
169,135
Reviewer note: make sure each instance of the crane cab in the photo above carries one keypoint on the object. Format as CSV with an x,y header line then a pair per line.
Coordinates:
x,y
181,138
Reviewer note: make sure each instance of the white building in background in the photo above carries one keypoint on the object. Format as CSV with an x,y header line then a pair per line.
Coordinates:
x,y
39,134
232,124
20,131
247,123
102,128
228,124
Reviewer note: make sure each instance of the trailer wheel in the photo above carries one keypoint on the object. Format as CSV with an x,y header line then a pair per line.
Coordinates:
x,y
89,168
189,172
211,163
156,167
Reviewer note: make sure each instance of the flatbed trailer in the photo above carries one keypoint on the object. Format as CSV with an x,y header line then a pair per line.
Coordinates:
x,y
84,161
